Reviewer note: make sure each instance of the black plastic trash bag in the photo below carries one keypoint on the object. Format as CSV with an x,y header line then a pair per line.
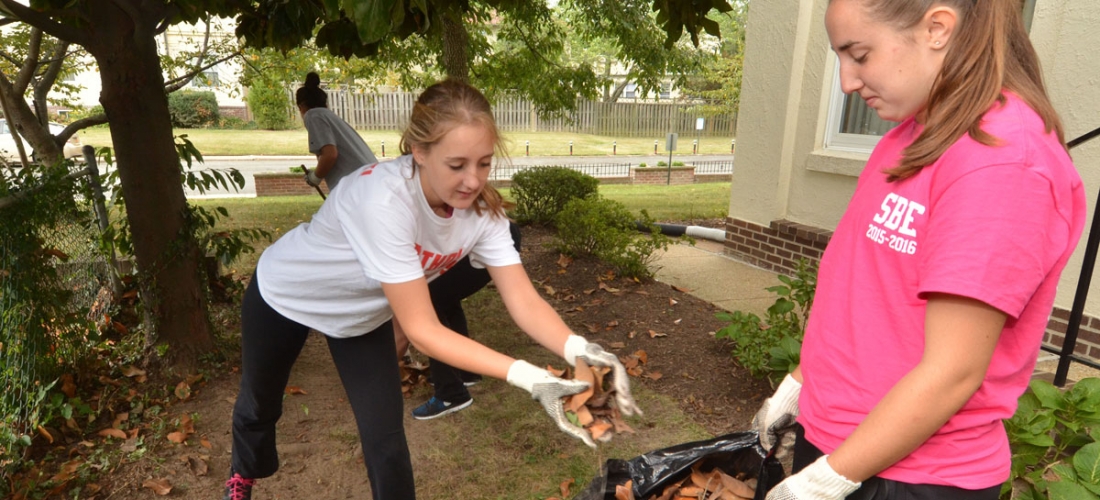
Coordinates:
x,y
651,472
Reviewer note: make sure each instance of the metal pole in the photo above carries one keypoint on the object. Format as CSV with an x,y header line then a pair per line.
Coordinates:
x,y
1078,310
101,215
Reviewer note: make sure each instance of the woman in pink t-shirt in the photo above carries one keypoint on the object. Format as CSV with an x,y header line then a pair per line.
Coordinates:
x,y
935,290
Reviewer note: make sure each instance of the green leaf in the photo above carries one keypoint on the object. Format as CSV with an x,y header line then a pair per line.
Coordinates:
x,y
1087,463
1065,471
372,17
1049,396
1063,490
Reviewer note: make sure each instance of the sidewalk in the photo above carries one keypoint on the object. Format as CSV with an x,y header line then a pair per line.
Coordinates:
x,y
707,273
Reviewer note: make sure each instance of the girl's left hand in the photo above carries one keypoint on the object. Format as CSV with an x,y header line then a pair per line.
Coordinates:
x,y
577,347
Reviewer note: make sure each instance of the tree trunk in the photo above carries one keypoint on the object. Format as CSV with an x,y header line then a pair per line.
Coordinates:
x,y
24,121
455,45
167,254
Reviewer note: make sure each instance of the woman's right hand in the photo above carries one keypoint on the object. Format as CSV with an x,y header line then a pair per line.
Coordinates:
x,y
549,391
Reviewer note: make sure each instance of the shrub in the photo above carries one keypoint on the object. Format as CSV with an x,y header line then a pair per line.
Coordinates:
x,y
190,109
270,104
677,163
606,229
234,123
641,164
81,113
542,192
772,346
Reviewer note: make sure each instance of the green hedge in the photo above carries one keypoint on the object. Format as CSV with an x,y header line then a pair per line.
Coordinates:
x,y
190,109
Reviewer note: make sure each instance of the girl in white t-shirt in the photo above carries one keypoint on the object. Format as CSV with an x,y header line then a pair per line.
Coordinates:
x,y
358,272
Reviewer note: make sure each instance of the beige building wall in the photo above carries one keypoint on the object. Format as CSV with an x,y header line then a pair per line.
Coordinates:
x,y
784,172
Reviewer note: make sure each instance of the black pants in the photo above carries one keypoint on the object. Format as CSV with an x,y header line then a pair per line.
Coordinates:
x,y
368,370
447,292
877,488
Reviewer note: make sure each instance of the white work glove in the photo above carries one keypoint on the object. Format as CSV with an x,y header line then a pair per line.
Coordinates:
x,y
818,481
776,418
312,179
577,347
549,390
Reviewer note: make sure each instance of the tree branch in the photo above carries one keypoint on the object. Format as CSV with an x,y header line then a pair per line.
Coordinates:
x,y
30,63
78,125
50,76
166,20
44,22
179,82
527,43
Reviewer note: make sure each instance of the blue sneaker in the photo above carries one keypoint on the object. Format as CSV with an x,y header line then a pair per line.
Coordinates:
x,y
436,407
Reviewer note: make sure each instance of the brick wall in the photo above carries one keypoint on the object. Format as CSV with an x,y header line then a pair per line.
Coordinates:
x,y
663,175
778,247
235,111
701,178
284,184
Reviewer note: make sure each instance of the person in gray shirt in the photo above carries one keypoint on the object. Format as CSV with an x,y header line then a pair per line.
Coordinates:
x,y
339,148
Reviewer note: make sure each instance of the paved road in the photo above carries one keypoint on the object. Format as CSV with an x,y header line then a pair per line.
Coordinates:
x,y
249,165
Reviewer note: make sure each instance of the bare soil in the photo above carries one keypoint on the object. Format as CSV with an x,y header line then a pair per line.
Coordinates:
x,y
318,440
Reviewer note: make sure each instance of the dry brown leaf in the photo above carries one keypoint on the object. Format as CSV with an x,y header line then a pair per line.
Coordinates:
x,y
550,290
293,389
115,433
68,470
672,301
565,486
564,260
634,372
584,374
68,386
120,328
159,486
654,334
132,371
192,379
736,486
631,334
119,419
590,291
130,294
617,345
198,465
592,327
603,286
629,361
642,356
183,391
206,443
681,289
584,416
691,491
624,491
57,253
45,433
613,323
599,428
654,375
109,381
177,437
641,292
187,426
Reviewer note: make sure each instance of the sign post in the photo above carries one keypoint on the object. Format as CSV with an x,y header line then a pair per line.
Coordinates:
x,y
670,146
700,123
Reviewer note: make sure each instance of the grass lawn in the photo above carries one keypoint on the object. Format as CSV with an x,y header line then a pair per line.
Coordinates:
x,y
213,142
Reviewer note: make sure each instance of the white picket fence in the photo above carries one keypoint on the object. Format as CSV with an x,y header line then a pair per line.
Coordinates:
x,y
390,111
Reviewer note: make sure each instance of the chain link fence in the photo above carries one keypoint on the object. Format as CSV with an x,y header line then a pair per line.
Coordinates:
x,y
55,282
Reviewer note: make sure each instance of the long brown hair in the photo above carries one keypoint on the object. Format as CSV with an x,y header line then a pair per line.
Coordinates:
x,y
989,52
441,108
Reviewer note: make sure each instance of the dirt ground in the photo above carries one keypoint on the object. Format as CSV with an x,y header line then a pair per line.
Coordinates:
x,y
317,431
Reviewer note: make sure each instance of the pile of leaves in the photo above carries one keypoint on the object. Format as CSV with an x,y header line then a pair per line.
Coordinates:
x,y
593,409
414,374
713,485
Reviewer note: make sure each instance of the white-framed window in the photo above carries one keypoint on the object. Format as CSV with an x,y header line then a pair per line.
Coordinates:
x,y
208,78
852,126
666,90
630,91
